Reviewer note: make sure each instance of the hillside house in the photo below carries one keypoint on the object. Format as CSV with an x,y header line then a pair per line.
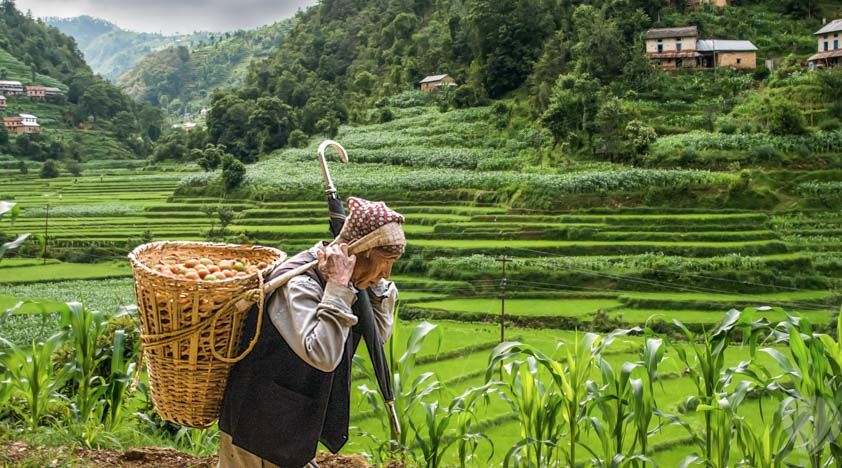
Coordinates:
x,y
10,87
699,3
36,92
436,82
3,103
717,53
23,123
681,48
50,91
830,52
673,48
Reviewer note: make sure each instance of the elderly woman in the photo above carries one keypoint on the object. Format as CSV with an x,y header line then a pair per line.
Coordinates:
x,y
293,390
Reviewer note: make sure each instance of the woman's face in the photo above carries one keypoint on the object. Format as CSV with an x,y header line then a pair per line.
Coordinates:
x,y
372,266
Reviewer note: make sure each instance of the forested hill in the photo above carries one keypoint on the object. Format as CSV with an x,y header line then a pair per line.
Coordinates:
x,y
111,50
89,119
180,79
344,56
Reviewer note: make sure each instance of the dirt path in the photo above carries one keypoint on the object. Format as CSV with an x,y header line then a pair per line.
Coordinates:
x,y
15,453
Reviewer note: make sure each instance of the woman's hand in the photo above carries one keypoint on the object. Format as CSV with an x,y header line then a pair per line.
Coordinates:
x,y
336,265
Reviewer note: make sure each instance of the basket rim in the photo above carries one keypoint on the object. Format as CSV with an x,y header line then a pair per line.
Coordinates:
x,y
137,264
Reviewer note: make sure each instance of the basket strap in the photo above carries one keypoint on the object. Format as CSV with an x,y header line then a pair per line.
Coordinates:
x,y
261,297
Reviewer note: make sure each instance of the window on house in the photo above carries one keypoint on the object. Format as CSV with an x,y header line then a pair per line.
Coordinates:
x,y
826,46
660,48
739,61
678,47
835,44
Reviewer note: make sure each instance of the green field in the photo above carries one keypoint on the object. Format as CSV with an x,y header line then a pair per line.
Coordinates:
x,y
586,269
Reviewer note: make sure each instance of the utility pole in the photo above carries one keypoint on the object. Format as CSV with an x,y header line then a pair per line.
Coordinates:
x,y
46,231
504,259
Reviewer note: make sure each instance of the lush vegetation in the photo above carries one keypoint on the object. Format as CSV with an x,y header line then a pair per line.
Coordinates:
x,y
112,51
180,79
630,229
115,127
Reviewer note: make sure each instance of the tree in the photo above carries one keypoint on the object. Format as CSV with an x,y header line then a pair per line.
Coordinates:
x,y
640,137
212,157
49,170
74,168
572,109
233,172
611,121
509,37
599,50
124,124
22,168
270,124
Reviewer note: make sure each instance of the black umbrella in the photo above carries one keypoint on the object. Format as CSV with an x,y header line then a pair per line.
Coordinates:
x,y
366,326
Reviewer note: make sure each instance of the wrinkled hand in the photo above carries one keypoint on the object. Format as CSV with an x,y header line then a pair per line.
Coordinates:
x,y
336,265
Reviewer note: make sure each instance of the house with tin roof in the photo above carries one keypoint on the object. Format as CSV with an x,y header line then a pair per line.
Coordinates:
x,y
680,48
436,82
830,53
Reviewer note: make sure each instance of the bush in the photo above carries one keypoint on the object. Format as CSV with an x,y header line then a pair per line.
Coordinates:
x,y
829,125
74,168
297,139
233,172
786,118
49,170
688,156
467,96
766,154
23,168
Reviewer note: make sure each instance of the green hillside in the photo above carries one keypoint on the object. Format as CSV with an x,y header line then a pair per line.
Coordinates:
x,y
180,79
112,51
90,120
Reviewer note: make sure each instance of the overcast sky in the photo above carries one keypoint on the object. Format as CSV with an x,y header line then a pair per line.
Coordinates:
x,y
171,16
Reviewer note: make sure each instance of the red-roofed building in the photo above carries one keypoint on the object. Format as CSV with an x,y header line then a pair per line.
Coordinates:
x,y
23,123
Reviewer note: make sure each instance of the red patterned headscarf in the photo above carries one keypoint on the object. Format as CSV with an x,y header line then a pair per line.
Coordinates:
x,y
364,217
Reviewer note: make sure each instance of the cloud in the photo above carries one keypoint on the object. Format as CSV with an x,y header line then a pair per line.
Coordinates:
x,y
170,16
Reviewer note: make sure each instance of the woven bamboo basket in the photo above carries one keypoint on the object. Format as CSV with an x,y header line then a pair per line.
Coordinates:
x,y
190,330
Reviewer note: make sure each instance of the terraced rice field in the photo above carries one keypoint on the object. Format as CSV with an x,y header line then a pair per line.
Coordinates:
x,y
581,270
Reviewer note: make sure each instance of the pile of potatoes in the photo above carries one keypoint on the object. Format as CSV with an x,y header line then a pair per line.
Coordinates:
x,y
205,269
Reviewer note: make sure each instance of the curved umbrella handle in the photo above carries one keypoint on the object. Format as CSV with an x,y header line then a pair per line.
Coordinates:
x,y
343,156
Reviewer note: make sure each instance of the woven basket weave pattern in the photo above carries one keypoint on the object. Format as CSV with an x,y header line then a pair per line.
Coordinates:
x,y
186,326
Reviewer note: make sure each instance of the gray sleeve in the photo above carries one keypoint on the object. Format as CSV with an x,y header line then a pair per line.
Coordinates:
x,y
384,297
314,323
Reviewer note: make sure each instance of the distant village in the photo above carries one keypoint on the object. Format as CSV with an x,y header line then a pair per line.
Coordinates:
x,y
682,48
24,123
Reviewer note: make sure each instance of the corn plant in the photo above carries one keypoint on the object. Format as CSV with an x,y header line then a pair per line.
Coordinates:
x,y
705,366
548,414
442,427
624,402
409,389
32,377
813,367
13,210
84,328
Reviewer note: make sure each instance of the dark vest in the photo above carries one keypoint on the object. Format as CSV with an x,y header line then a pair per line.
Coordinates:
x,y
277,406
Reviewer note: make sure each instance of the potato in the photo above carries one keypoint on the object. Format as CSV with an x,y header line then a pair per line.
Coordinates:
x,y
213,268
262,265
226,264
210,278
206,261
191,275
191,263
203,273
239,266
